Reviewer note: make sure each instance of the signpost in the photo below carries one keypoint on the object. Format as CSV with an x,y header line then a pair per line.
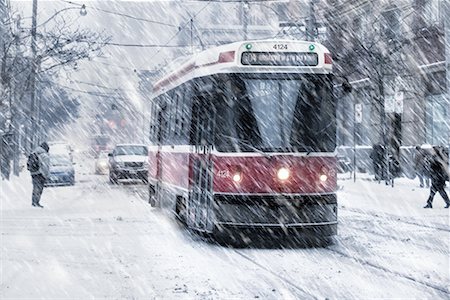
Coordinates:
x,y
398,102
357,119
358,113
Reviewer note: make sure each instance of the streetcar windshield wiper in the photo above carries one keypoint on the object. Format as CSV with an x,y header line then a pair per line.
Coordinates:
x,y
305,148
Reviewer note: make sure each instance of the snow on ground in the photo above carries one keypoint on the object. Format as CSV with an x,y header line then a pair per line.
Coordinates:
x,y
95,240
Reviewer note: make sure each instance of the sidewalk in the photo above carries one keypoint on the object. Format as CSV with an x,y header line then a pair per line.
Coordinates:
x,y
405,200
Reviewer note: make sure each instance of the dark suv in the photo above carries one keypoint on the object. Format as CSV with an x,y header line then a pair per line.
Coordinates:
x,y
128,161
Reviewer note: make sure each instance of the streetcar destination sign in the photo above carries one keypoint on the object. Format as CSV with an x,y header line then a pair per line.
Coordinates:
x,y
279,59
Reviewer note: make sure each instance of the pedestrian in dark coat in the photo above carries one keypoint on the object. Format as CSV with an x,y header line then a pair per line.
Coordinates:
x,y
41,175
377,159
422,166
438,175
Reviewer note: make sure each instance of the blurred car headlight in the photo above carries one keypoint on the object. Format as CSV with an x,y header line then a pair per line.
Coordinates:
x,y
103,164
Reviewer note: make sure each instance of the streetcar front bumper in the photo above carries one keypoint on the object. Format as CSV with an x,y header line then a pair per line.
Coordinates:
x,y
315,214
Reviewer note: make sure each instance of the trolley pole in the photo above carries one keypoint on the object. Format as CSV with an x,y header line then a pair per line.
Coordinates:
x,y
311,26
245,12
33,111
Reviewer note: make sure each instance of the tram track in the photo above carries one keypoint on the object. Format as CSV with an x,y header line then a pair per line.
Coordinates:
x,y
391,218
282,278
360,261
383,269
303,293
383,231
392,237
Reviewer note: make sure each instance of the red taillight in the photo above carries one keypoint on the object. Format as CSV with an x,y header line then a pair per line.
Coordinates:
x,y
226,57
328,59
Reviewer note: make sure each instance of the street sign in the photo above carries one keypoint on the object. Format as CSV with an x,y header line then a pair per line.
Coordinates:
x,y
389,106
358,113
398,102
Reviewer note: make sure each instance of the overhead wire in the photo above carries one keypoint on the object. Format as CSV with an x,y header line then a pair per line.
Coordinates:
x,y
121,14
92,93
183,27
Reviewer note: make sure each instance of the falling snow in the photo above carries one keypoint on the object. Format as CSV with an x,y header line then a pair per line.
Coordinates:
x,y
172,124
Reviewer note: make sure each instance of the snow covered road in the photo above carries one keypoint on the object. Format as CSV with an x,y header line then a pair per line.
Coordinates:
x,y
95,240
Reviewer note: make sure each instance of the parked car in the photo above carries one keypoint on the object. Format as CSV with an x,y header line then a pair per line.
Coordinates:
x,y
102,163
62,171
128,161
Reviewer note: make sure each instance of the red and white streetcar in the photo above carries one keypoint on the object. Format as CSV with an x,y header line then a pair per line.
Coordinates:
x,y
244,135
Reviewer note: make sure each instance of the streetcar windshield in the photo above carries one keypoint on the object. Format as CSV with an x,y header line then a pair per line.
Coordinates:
x,y
278,115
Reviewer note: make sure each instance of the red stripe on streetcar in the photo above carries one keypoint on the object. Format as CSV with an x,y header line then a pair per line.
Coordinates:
x,y
328,59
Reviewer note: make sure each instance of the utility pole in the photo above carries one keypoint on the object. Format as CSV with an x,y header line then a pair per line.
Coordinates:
x,y
33,109
311,25
16,122
192,42
245,11
445,15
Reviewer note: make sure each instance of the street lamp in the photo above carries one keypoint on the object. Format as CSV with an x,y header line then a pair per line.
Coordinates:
x,y
35,113
83,11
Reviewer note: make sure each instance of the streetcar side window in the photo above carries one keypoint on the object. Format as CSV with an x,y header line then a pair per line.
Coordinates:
x,y
185,104
178,97
170,117
202,127
225,137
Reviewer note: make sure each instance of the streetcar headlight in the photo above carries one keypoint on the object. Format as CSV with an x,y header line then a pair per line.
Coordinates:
x,y
323,177
283,173
237,177
324,172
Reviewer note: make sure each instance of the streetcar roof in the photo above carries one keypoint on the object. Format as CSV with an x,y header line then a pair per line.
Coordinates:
x,y
228,59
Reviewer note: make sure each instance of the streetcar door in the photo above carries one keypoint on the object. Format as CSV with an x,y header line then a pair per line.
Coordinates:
x,y
200,209
162,124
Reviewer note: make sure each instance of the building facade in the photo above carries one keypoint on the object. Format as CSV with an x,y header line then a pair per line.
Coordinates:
x,y
393,53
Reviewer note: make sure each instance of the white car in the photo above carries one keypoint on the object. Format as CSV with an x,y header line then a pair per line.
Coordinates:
x,y
61,148
128,161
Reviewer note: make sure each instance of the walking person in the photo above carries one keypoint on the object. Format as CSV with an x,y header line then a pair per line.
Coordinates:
x,y
39,166
377,159
422,166
438,176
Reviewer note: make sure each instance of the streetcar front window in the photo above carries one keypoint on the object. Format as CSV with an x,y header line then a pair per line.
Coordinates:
x,y
273,114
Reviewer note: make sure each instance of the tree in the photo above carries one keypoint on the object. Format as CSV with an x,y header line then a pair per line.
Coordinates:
x,y
372,47
59,46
